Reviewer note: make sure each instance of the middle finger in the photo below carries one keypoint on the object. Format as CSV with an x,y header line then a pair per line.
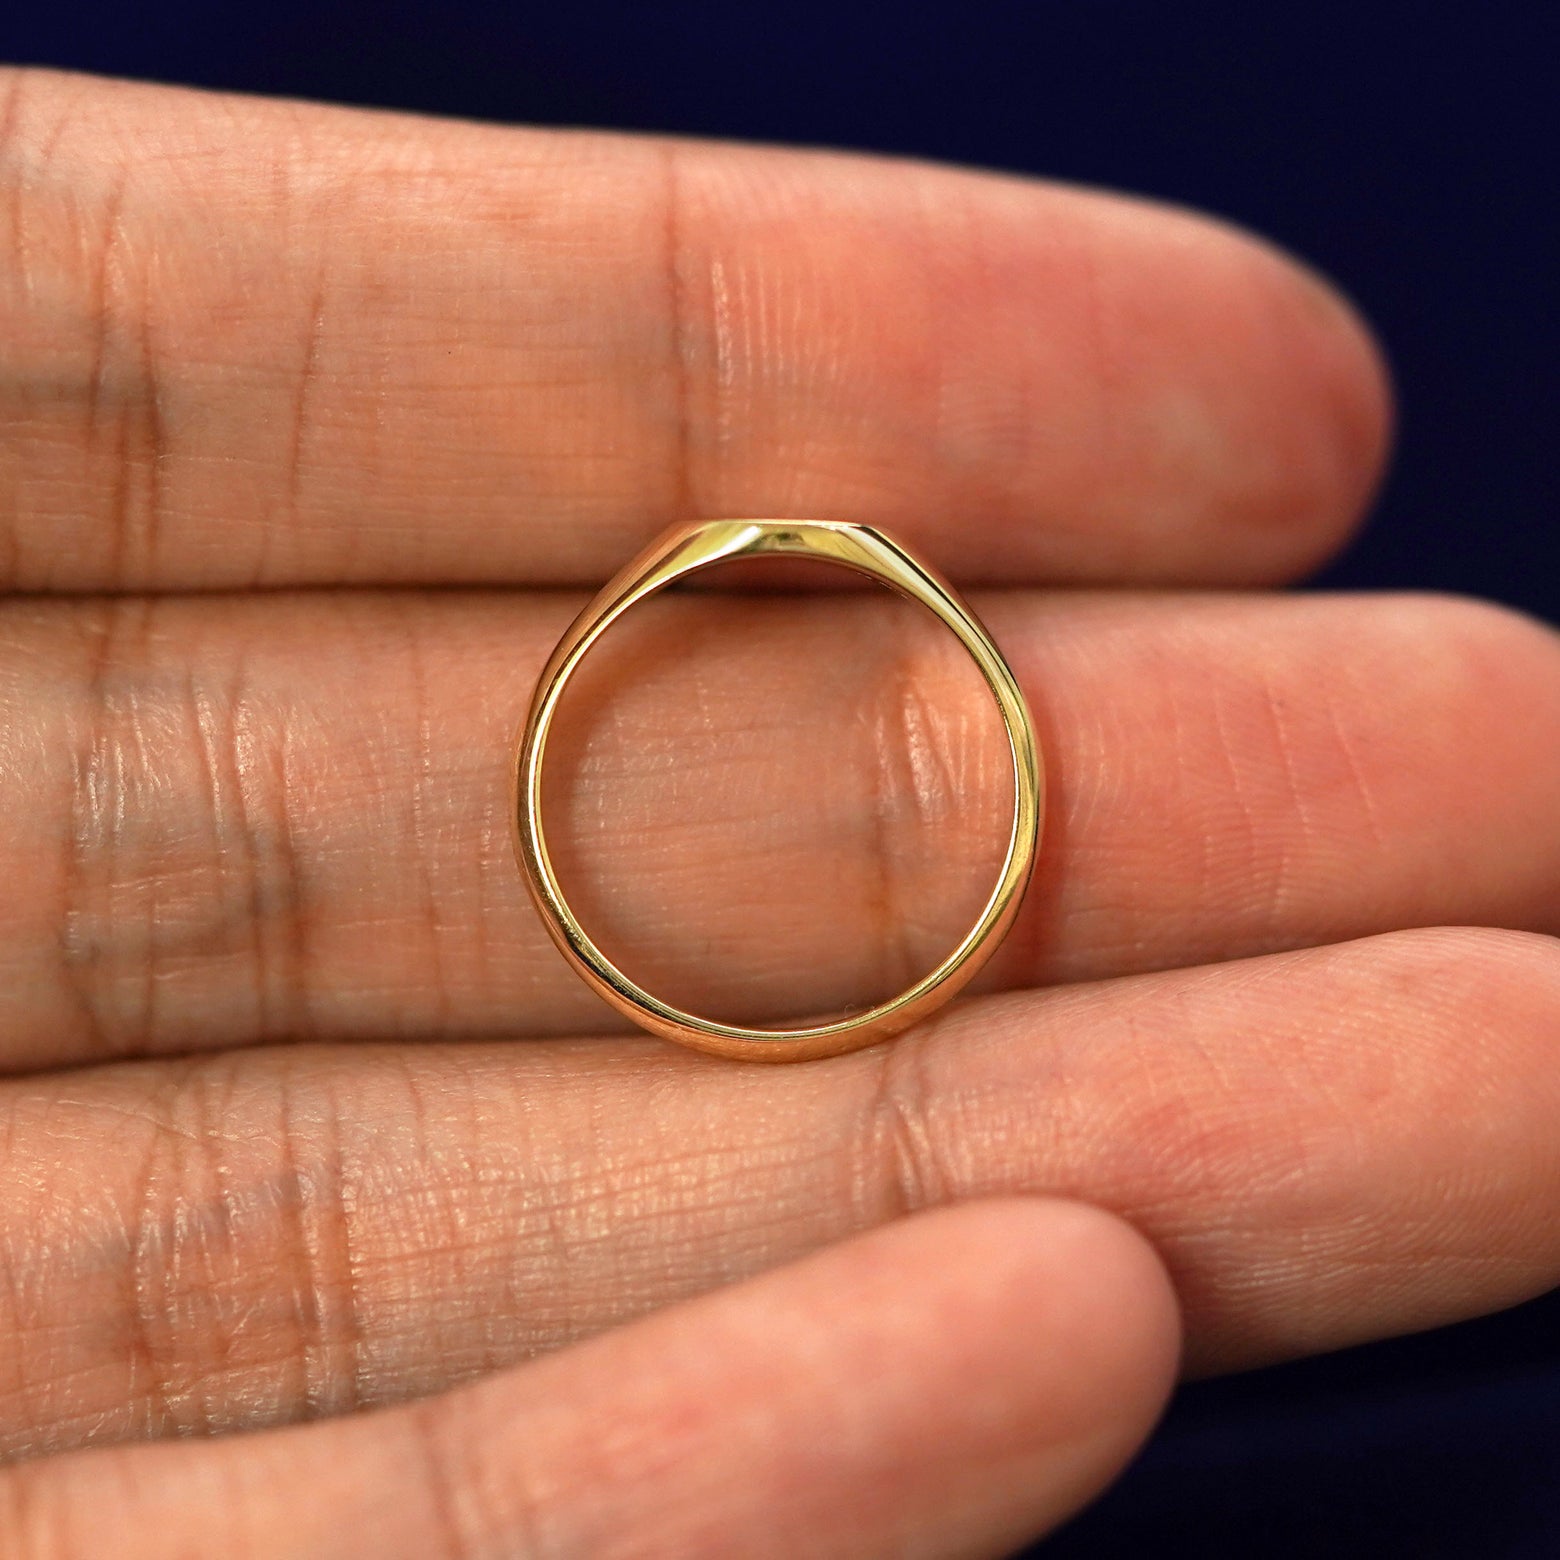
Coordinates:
x,y
224,821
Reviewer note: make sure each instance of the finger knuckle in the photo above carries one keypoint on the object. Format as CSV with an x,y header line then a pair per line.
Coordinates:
x,y
937,784
469,1513
239,1297
900,1162
80,311
180,861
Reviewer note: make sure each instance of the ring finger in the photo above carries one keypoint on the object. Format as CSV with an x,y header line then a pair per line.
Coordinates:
x,y
272,343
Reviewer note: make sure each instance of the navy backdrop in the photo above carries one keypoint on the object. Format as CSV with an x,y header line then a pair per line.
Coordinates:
x,y
1410,150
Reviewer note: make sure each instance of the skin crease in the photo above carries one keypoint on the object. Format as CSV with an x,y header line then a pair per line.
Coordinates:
x,y
301,1114
835,1457
316,802
415,351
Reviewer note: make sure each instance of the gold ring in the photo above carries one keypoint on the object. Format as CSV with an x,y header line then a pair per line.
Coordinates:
x,y
681,551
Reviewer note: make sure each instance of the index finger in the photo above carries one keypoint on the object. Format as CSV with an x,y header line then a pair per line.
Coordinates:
x,y
259,342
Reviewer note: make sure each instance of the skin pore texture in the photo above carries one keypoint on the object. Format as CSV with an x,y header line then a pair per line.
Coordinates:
x,y
316,427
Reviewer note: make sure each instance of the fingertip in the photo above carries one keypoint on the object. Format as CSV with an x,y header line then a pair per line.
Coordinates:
x,y
1104,1333
1250,402
1078,1350
1330,461
953,1384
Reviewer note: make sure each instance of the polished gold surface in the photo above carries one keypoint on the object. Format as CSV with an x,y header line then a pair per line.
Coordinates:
x,y
672,556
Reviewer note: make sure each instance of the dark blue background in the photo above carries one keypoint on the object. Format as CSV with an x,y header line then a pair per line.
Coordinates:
x,y
1410,150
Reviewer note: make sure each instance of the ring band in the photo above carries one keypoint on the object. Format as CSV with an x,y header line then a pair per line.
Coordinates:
x,y
675,554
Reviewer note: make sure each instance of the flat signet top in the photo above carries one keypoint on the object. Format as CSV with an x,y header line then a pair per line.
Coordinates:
x,y
681,551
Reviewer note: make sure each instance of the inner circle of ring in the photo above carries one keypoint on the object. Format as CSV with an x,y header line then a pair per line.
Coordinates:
x,y
681,551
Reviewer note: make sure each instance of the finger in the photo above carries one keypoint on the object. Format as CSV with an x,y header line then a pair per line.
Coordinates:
x,y
224,822
265,342
1325,1147
949,1386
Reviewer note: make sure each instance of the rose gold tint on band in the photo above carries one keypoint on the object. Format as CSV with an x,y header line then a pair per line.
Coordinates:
x,y
678,553
751,751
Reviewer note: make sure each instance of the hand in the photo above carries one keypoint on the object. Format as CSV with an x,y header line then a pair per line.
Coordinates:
x,y
268,371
